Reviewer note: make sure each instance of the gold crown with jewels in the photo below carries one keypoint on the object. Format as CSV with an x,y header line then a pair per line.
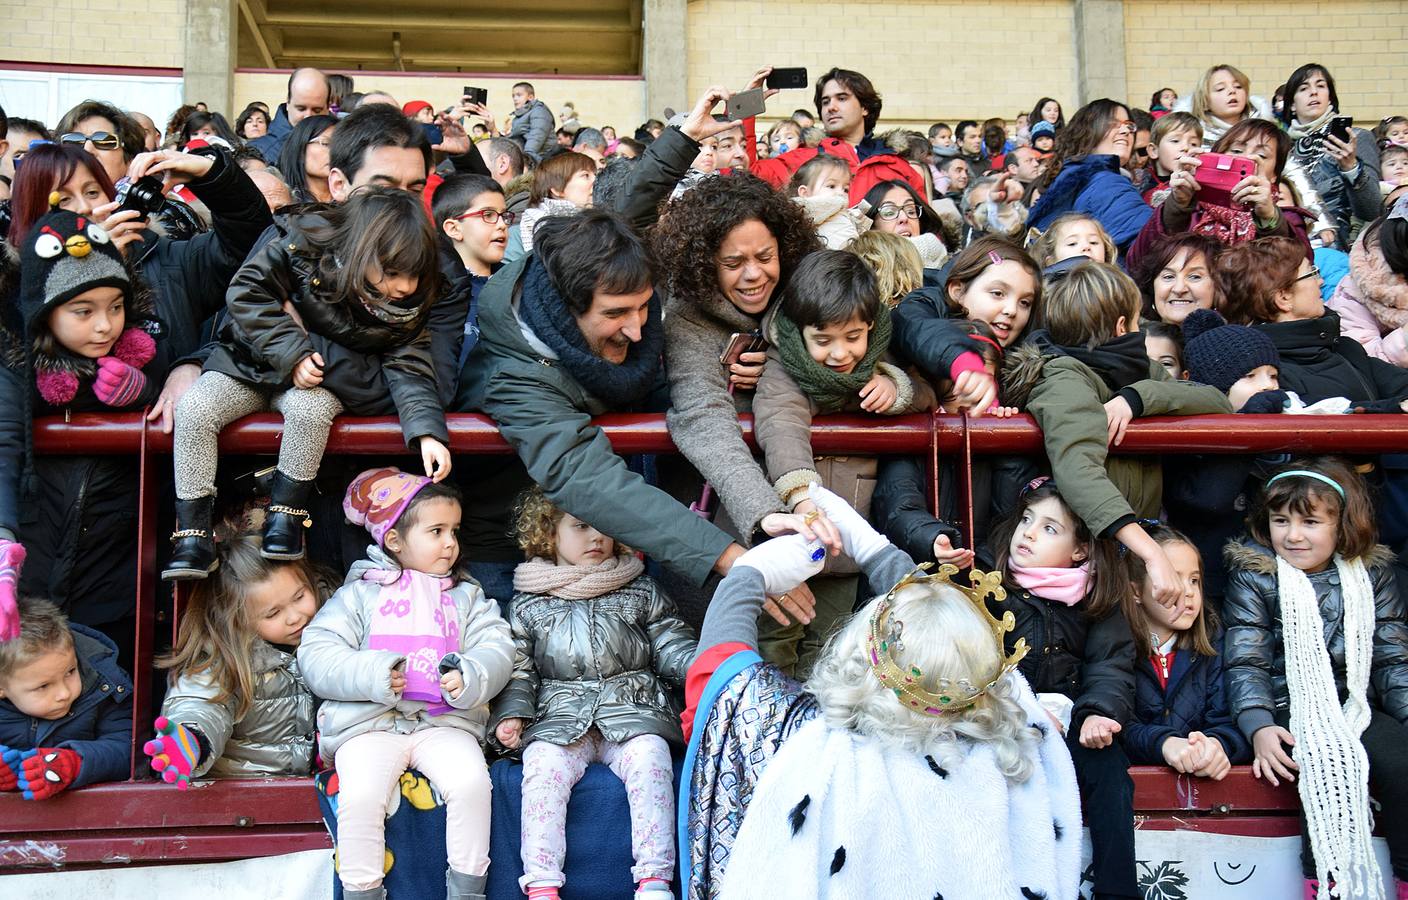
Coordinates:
x,y
886,638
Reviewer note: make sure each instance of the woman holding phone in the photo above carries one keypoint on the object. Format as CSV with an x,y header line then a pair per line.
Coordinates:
x,y
1342,162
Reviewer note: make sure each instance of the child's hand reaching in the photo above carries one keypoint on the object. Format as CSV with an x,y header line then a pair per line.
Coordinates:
x,y
1118,415
436,458
945,552
117,383
308,374
398,681
175,752
510,733
1097,732
879,394
1271,760
452,683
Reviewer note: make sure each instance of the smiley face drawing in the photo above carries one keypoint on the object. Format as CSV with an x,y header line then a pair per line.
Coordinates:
x,y
1234,870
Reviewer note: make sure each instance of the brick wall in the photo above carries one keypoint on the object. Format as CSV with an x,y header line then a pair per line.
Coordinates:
x,y
130,33
1170,43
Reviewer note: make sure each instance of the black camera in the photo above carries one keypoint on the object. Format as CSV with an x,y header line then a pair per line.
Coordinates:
x,y
143,195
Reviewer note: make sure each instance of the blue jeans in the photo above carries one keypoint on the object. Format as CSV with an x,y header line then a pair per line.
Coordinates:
x,y
496,578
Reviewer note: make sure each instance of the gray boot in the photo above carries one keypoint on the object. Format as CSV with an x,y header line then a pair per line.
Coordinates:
x,y
376,893
459,886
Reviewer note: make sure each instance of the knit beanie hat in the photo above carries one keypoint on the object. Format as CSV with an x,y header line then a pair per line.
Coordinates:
x,y
376,499
64,255
1219,354
1043,127
410,109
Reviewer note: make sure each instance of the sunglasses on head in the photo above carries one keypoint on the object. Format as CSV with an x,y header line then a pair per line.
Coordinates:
x,y
101,140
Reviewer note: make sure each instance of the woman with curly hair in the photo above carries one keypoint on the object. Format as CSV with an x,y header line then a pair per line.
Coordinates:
x,y
726,250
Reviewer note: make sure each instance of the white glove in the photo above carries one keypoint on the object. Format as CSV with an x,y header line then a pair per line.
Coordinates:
x,y
862,543
784,562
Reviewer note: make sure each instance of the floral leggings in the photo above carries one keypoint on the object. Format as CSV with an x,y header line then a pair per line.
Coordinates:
x,y
551,771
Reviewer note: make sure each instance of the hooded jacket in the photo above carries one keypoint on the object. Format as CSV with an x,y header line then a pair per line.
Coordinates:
x,y
1372,303
355,681
1194,700
260,344
532,128
98,726
603,663
1067,397
546,415
1318,362
1254,649
273,737
1094,185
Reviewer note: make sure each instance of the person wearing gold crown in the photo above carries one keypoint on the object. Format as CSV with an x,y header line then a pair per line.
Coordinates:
x,y
915,761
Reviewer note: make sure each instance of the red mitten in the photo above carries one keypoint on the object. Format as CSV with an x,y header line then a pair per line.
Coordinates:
x,y
117,383
175,752
9,778
46,771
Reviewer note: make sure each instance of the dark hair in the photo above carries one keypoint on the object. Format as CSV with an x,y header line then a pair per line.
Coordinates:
x,y
928,219
1390,236
1380,130
1154,102
198,120
636,146
248,113
134,139
831,287
1080,138
947,163
524,84
457,194
1357,531
1299,77
554,174
245,153
613,182
42,171
339,86
977,257
1164,330
1161,253
994,139
43,629
1247,129
371,127
1109,577
688,235
596,250
937,127
962,127
33,126
859,86
409,516
1251,274
4,123
502,146
1035,114
1198,637
1142,119
377,229
294,154
811,170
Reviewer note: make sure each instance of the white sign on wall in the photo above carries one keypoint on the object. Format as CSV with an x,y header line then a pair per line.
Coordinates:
x,y
46,96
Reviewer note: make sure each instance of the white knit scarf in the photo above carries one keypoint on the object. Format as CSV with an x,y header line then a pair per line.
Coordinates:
x,y
1334,769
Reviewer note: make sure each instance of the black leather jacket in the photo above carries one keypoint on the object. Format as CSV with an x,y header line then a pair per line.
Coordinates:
x,y
1254,655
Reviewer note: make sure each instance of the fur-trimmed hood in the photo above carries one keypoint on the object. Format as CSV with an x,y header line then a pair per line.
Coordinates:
x,y
1382,291
1253,557
1021,370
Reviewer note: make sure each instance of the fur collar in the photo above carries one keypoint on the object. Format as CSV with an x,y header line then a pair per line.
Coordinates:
x,y
1021,370
1247,554
1378,288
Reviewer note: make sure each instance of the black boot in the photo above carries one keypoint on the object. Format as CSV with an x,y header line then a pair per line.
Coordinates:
x,y
193,556
286,517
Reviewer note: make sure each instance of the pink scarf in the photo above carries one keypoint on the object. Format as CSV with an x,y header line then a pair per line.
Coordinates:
x,y
541,576
415,617
1059,585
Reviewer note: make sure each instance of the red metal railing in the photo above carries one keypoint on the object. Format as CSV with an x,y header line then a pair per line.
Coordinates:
x,y
147,821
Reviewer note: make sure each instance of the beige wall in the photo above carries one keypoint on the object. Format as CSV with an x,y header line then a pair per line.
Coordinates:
x,y
617,102
1360,41
138,32
919,54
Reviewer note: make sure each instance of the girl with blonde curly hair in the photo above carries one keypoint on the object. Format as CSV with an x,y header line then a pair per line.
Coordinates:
x,y
596,645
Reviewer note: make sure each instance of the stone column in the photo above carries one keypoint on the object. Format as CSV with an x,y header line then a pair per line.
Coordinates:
x,y
663,61
212,30
1099,37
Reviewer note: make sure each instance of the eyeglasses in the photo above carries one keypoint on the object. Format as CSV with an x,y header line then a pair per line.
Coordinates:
x,y
1313,273
322,142
490,216
1123,125
101,140
889,212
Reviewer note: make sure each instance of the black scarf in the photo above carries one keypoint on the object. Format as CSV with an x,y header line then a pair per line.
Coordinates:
x,y
544,310
1119,363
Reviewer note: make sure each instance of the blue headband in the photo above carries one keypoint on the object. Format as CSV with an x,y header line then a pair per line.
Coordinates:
x,y
1306,473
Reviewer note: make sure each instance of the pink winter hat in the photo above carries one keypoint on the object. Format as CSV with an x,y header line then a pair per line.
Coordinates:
x,y
376,498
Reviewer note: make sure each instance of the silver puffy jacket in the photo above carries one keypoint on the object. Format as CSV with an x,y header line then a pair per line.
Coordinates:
x,y
273,737
603,662
355,681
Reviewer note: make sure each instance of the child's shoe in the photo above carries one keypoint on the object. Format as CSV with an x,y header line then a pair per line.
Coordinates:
x,y
286,517
193,550
653,889
459,886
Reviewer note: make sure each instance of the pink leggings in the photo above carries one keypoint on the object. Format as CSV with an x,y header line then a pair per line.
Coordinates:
x,y
549,774
369,767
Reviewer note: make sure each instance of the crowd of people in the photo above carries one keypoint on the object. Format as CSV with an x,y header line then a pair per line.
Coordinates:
x,y
771,613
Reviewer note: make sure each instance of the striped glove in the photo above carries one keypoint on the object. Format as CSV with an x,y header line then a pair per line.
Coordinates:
x,y
118,384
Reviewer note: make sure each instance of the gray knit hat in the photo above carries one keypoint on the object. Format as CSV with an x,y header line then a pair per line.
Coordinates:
x,y
62,256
